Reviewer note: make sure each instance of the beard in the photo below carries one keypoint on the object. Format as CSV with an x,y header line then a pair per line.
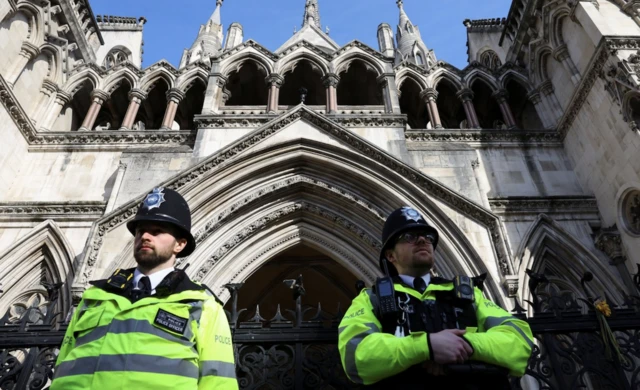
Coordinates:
x,y
153,258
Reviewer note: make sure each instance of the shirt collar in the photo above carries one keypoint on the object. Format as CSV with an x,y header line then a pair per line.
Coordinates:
x,y
155,278
409,279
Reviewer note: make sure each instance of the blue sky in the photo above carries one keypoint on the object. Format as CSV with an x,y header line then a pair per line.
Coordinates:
x,y
173,25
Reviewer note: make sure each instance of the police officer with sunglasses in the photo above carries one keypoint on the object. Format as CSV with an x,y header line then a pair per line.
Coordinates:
x,y
414,330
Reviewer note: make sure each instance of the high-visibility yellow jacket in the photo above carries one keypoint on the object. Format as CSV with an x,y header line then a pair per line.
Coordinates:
x,y
176,341
369,355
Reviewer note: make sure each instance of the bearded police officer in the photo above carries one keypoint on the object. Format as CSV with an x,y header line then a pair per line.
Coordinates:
x,y
417,331
149,327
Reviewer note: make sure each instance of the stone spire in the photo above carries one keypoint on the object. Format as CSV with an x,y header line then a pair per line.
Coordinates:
x,y
311,14
410,45
209,41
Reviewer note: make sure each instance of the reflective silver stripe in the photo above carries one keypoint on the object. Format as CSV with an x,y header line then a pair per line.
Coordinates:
x,y
350,353
491,322
217,368
195,312
133,362
133,326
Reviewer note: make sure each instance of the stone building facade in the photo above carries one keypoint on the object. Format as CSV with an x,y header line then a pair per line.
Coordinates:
x,y
528,158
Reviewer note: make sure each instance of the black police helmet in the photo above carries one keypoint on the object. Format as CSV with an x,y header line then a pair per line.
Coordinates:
x,y
398,222
166,205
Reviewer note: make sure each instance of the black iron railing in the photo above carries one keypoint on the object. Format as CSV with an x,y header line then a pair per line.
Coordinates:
x,y
298,349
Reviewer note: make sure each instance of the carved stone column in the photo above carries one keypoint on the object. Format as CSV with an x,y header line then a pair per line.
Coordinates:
x,y
608,240
53,111
553,105
27,53
174,97
98,98
213,97
535,98
274,81
561,53
501,97
429,96
47,97
136,97
331,82
466,96
387,84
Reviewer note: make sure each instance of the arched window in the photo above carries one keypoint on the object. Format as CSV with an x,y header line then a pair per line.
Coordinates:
x,y
490,59
419,59
116,57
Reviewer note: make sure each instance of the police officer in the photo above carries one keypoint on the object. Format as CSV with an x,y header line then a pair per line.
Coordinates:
x,y
149,327
438,333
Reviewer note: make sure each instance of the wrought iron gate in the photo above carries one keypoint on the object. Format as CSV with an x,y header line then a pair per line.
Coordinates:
x,y
297,350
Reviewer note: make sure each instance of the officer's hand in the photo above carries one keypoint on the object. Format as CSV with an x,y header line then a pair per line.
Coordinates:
x,y
433,368
449,347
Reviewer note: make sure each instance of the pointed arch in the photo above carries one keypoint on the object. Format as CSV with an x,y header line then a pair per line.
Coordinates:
x,y
42,255
289,62
55,70
76,81
244,193
445,74
115,79
517,77
186,81
36,23
542,54
341,63
236,61
546,241
481,74
555,27
152,76
409,74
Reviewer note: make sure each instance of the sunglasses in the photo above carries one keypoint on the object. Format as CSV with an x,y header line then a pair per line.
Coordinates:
x,y
412,237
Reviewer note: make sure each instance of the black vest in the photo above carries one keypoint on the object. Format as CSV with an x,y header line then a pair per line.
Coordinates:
x,y
446,312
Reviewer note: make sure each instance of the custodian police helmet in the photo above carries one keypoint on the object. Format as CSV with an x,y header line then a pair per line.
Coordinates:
x,y
166,205
398,222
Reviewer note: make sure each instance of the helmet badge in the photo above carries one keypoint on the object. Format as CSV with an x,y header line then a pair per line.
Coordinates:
x,y
411,214
154,199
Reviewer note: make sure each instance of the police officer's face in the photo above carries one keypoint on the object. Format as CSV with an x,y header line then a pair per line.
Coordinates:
x,y
412,254
155,243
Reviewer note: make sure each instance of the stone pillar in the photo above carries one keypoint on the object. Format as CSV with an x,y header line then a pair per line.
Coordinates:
x,y
213,97
136,97
535,98
550,99
274,81
466,96
561,53
501,96
174,97
331,82
27,53
47,96
54,110
98,98
608,240
430,95
389,93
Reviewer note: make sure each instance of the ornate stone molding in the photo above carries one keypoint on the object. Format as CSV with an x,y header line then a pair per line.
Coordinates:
x,y
546,205
250,43
274,216
331,80
608,46
357,44
283,186
227,121
486,137
608,240
56,211
369,152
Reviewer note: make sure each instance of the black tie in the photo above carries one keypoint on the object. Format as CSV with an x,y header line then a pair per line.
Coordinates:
x,y
419,285
144,289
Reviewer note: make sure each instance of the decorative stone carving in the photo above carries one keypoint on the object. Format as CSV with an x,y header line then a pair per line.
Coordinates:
x,y
497,137
275,80
511,283
630,211
58,211
331,80
608,240
544,205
